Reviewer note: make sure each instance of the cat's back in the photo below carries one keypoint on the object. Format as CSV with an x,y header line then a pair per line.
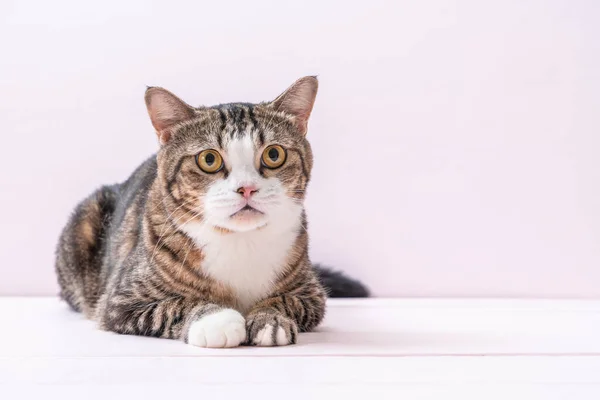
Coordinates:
x,y
134,191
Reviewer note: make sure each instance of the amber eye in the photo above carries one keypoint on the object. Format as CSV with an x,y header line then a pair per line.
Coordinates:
x,y
273,156
209,161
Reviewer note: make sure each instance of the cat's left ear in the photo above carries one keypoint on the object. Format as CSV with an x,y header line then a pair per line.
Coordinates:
x,y
166,111
298,101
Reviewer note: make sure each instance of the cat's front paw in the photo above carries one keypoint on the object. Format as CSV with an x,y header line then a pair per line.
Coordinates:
x,y
224,328
271,329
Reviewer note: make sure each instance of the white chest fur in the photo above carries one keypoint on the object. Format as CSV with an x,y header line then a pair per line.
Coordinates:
x,y
247,262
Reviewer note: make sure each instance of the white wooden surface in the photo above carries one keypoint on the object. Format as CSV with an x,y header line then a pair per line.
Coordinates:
x,y
418,349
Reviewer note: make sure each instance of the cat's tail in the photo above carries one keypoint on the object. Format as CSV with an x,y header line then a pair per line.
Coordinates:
x,y
339,285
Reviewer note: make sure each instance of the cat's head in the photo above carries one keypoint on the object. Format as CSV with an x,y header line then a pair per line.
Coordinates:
x,y
234,167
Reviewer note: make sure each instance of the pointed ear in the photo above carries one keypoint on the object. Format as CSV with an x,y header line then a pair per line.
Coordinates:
x,y
298,100
166,110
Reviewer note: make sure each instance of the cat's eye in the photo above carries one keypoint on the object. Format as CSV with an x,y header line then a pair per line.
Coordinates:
x,y
209,161
273,156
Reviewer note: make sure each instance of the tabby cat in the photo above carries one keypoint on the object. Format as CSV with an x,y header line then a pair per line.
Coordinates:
x,y
206,241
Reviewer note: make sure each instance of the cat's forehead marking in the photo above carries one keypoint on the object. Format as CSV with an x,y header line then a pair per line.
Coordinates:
x,y
237,121
256,122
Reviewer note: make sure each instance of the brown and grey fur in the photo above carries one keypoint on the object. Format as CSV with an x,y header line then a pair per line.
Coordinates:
x,y
124,261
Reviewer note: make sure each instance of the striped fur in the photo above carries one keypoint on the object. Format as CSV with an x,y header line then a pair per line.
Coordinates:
x,y
136,256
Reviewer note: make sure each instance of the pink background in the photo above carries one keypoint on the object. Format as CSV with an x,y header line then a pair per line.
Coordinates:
x,y
456,142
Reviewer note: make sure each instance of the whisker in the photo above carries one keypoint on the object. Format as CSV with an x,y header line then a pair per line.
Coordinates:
x,y
190,245
173,223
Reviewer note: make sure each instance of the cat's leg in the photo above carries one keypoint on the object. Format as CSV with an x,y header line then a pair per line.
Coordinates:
x,y
195,322
276,321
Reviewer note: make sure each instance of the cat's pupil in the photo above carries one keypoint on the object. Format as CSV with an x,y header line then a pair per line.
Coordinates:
x,y
273,154
210,159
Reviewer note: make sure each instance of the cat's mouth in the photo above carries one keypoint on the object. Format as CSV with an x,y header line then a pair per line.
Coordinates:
x,y
246,211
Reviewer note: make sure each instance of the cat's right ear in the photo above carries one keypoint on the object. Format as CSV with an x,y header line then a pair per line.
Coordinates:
x,y
166,111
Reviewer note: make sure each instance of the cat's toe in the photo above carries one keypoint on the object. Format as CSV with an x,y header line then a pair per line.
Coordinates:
x,y
225,328
271,330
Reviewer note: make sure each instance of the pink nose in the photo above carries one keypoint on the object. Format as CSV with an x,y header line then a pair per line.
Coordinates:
x,y
247,191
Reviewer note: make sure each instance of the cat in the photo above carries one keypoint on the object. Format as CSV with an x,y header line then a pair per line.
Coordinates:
x,y
206,241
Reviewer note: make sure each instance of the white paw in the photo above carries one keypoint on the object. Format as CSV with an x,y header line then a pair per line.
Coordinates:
x,y
264,337
225,328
